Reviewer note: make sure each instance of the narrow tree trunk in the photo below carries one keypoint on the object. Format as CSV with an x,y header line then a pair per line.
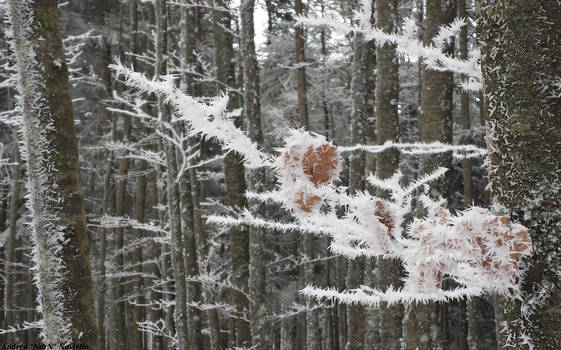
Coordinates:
x,y
464,108
61,248
239,332
299,60
256,180
471,311
309,319
118,333
363,106
482,333
135,338
425,324
202,243
500,320
108,204
159,269
178,264
139,211
108,208
194,293
387,128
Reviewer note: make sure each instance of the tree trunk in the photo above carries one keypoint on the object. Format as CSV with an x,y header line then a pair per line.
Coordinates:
x,y
311,320
255,180
235,184
363,107
118,333
481,328
299,61
194,294
108,205
135,337
520,65
464,109
425,325
61,247
139,212
178,264
387,162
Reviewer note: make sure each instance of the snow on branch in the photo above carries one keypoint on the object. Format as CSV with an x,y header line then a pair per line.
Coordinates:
x,y
481,252
23,327
458,151
407,42
108,221
208,117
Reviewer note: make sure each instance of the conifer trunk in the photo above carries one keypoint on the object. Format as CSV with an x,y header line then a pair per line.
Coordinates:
x,y
108,200
119,338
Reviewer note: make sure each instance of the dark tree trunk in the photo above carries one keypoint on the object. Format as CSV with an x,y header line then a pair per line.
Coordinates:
x,y
387,122
54,177
520,65
256,180
235,183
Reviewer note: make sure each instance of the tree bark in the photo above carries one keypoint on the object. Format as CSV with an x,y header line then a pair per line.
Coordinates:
x,y
387,162
235,184
299,61
178,263
363,95
425,325
194,290
108,205
139,212
481,328
520,66
61,247
118,332
255,180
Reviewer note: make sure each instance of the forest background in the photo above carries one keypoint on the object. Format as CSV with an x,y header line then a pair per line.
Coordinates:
x,y
162,274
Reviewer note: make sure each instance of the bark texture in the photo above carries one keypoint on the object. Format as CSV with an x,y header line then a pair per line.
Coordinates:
x,y
256,179
56,201
363,95
387,122
191,257
521,70
425,326
177,261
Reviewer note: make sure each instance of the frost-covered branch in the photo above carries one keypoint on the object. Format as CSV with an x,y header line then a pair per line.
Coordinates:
x,y
208,117
476,249
407,42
